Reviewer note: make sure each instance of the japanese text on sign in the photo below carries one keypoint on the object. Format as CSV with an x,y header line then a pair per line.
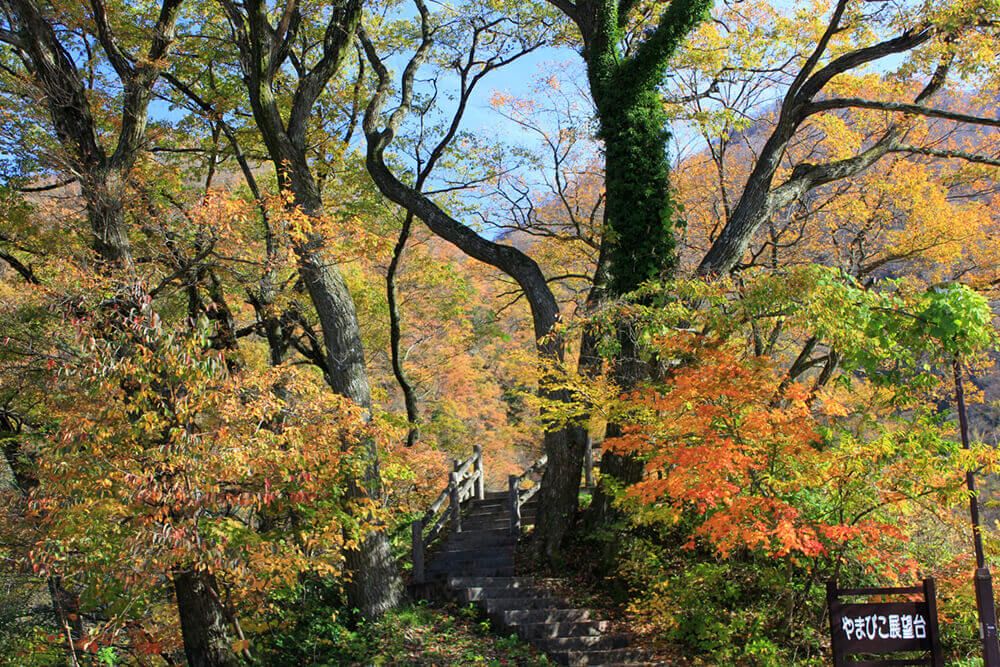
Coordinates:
x,y
891,626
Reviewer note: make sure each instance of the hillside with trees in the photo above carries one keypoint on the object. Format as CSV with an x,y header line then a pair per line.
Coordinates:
x,y
674,297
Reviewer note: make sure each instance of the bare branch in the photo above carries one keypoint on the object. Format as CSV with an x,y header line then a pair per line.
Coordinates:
x,y
942,153
898,107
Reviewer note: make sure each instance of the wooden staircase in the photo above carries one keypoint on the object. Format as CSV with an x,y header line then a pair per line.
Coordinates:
x,y
475,564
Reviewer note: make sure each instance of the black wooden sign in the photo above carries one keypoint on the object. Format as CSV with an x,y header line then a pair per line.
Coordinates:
x,y
884,628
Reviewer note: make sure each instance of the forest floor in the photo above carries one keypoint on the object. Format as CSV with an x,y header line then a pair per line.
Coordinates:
x,y
424,634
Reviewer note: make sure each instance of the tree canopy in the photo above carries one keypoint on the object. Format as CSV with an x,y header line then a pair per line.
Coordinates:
x,y
265,267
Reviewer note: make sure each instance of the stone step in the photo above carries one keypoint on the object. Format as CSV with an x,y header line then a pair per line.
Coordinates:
x,y
571,629
461,561
468,566
484,518
480,542
472,549
493,515
519,616
477,593
472,533
474,571
621,656
490,502
476,512
460,582
476,549
582,643
501,503
502,523
524,603
492,523
487,532
488,546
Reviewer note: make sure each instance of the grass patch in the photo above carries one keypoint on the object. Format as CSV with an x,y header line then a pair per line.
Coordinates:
x,y
415,633
420,634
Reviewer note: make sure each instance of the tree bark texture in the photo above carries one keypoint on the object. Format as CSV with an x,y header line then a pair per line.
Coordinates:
x,y
203,621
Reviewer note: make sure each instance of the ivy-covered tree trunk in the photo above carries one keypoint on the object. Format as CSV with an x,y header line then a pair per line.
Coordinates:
x,y
639,242
640,220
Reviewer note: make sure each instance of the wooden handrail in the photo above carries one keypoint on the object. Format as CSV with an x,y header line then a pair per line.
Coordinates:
x,y
466,480
466,466
518,496
438,504
537,466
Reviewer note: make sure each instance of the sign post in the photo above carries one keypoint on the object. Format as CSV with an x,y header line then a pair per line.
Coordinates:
x,y
884,628
983,581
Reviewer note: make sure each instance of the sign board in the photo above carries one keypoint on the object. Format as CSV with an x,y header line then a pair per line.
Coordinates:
x,y
884,628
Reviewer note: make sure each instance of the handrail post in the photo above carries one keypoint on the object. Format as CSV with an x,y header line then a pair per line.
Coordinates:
x,y
515,505
588,463
477,452
456,505
418,550
455,465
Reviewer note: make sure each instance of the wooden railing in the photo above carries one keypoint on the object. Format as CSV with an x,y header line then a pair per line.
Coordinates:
x,y
516,496
465,481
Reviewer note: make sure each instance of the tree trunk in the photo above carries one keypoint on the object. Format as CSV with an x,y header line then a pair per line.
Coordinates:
x,y
751,210
102,191
65,603
628,371
395,335
203,621
374,586
560,489
559,494
345,357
